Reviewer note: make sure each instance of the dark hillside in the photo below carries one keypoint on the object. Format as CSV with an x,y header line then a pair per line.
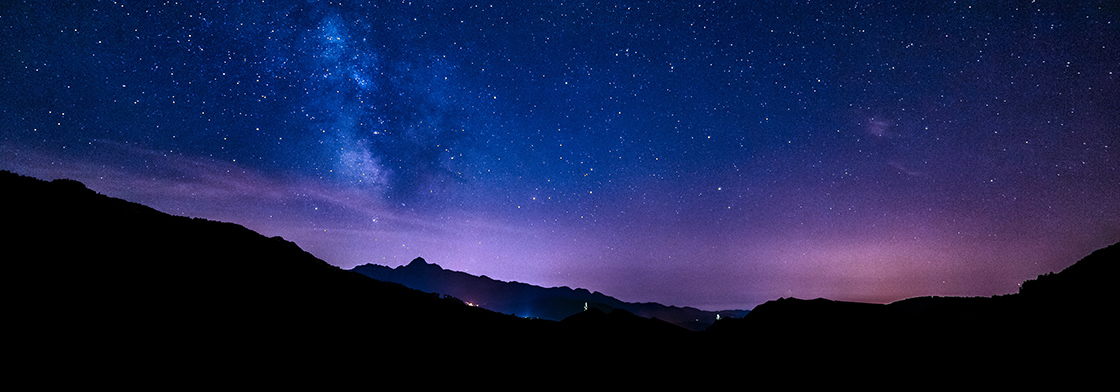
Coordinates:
x,y
1054,323
97,284
88,274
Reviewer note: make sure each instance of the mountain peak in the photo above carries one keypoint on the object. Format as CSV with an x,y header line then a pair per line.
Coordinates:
x,y
420,263
525,300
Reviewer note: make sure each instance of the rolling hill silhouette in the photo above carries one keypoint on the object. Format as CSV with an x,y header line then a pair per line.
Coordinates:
x,y
96,284
1054,322
89,275
525,300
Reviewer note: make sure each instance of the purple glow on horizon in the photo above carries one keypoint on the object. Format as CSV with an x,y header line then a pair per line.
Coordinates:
x,y
711,155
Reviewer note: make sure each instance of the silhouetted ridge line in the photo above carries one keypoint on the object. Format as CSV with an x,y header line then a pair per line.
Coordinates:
x,y
99,274
1064,315
525,300
97,284
91,275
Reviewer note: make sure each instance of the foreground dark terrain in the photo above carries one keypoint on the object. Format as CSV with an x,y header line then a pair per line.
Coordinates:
x,y
100,283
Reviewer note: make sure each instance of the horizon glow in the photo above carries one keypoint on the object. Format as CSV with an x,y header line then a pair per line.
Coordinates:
x,y
714,155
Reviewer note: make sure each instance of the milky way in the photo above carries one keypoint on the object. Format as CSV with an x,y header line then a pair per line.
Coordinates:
x,y
710,154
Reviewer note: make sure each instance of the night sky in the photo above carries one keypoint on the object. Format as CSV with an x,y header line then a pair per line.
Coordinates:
x,y
708,154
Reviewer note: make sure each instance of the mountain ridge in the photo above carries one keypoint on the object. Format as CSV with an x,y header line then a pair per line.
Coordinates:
x,y
98,284
89,275
1059,315
527,300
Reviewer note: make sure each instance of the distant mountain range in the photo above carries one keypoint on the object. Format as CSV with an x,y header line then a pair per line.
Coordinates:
x,y
525,300
1053,323
98,283
101,290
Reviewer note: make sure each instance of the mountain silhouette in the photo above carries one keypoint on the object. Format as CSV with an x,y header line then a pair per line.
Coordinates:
x,y
525,300
88,276
91,277
1051,324
104,290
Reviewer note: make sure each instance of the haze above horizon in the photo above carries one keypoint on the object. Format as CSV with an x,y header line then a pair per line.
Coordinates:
x,y
713,155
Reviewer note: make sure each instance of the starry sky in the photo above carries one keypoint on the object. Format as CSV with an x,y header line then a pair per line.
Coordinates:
x,y
713,154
